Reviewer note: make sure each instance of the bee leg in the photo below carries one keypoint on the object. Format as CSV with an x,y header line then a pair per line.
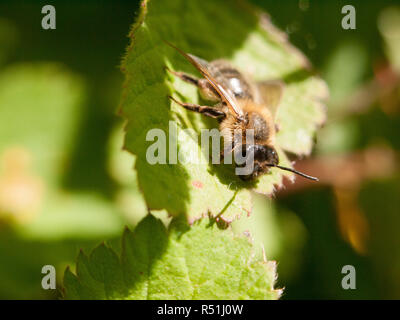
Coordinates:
x,y
206,110
185,77
223,153
228,150
207,91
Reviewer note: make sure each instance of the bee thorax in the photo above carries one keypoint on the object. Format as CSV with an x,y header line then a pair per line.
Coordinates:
x,y
259,125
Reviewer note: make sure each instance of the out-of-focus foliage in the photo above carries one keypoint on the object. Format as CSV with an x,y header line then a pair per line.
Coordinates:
x,y
349,222
389,27
8,38
51,125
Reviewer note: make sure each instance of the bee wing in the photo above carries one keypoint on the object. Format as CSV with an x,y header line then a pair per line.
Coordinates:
x,y
210,74
271,92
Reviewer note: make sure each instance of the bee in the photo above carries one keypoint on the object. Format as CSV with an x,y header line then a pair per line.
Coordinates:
x,y
239,104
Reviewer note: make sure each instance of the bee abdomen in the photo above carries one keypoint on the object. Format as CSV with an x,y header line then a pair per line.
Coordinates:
x,y
233,79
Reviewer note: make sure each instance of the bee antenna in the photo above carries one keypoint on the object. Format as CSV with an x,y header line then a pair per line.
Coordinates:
x,y
296,172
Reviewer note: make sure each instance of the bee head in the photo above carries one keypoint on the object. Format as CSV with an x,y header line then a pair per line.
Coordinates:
x,y
264,157
266,154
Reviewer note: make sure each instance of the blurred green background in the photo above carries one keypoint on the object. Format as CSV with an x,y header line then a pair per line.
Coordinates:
x,y
65,184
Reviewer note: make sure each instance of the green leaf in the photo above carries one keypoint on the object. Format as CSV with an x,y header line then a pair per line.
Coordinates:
x,y
197,262
211,30
278,232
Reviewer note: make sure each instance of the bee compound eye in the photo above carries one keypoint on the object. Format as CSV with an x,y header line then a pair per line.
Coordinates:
x,y
275,156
